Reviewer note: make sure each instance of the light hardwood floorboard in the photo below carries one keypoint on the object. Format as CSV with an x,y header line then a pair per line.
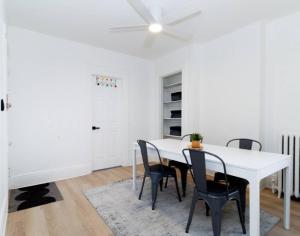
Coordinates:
x,y
75,215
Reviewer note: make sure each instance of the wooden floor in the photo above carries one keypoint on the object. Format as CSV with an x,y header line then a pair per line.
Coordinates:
x,y
75,216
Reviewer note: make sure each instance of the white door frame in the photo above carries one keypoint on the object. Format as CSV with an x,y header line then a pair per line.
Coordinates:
x,y
121,75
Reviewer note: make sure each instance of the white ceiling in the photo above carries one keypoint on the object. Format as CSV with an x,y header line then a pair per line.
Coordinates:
x,y
88,21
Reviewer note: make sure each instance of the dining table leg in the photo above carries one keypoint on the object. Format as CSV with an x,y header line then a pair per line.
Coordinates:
x,y
134,169
287,197
254,207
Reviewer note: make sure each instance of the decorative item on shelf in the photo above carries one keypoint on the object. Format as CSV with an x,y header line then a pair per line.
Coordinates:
x,y
175,130
106,81
196,140
176,114
176,96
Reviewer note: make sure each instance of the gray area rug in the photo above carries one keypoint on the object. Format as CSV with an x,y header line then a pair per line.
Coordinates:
x,y
120,208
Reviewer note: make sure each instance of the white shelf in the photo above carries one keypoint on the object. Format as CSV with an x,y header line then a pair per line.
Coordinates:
x,y
172,102
172,118
171,136
172,85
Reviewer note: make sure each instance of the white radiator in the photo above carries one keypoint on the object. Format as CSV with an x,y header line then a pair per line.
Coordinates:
x,y
290,145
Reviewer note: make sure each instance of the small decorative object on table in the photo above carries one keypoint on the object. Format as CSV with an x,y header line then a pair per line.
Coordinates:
x,y
196,140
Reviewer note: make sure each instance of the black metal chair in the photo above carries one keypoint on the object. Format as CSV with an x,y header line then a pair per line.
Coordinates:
x,y
245,143
215,195
156,172
236,181
183,168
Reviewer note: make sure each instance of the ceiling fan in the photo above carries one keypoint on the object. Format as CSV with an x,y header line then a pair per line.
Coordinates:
x,y
157,23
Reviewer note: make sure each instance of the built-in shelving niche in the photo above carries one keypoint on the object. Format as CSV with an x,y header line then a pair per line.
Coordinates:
x,y
171,105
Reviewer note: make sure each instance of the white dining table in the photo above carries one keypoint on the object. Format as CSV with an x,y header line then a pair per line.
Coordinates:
x,y
247,164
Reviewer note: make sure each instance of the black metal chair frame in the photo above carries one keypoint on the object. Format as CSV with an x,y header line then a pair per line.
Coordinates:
x,y
183,168
184,136
214,202
247,144
155,172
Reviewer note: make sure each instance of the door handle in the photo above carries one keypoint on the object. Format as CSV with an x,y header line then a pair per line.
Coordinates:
x,y
95,127
2,105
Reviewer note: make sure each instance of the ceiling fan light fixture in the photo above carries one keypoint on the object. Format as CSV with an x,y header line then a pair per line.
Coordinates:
x,y
155,28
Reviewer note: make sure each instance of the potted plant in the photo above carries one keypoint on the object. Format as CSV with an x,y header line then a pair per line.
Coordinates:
x,y
196,140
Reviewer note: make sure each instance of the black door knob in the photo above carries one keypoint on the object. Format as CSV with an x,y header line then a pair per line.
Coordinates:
x,y
95,127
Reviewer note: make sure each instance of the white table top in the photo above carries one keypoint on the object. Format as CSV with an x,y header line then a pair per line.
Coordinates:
x,y
245,159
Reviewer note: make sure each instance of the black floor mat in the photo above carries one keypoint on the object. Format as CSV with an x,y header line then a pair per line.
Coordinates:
x,y
32,196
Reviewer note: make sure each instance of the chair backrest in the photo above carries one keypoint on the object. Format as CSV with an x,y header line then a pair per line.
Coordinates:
x,y
186,135
144,151
198,170
245,143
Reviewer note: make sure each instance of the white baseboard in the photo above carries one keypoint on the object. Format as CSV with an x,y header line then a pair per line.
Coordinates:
x,y
45,176
3,215
129,163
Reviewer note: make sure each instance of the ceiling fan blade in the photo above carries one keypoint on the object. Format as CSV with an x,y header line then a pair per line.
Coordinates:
x,y
149,40
176,34
142,10
185,13
129,28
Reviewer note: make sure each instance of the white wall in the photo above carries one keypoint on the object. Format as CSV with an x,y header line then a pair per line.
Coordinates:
x,y
221,85
3,133
230,84
282,79
50,90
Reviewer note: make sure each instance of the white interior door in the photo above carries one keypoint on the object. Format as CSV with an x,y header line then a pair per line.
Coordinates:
x,y
107,128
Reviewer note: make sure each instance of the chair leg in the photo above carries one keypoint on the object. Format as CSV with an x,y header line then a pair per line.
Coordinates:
x,y
216,221
177,189
161,184
242,190
207,209
166,184
242,217
216,207
183,172
192,209
142,187
154,186
193,205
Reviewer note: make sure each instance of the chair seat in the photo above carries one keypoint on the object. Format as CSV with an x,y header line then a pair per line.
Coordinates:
x,y
178,164
168,171
232,180
218,189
